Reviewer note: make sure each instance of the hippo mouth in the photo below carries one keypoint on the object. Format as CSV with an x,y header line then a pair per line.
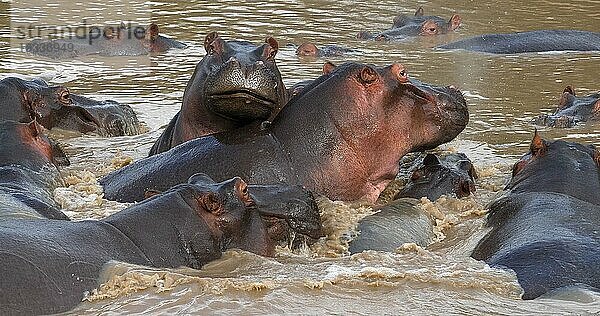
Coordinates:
x,y
77,118
241,105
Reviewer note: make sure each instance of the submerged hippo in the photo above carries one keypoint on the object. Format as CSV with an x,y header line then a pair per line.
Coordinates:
x,y
530,42
402,221
47,265
111,41
56,107
235,84
572,110
309,49
28,172
418,25
452,174
342,137
545,227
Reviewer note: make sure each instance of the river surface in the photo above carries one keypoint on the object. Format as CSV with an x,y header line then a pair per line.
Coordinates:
x,y
503,92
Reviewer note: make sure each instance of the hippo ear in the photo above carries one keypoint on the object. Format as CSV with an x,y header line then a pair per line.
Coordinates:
x,y
454,22
328,67
420,12
152,32
209,40
469,168
538,146
151,193
270,51
570,90
201,178
431,160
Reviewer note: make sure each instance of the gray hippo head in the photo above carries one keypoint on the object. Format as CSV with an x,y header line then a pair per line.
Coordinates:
x,y
454,174
243,83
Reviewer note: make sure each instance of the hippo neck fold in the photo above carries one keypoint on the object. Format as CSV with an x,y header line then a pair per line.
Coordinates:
x,y
144,224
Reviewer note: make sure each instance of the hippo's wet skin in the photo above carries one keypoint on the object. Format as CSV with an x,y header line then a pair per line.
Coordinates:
x,y
342,137
530,42
572,110
402,221
235,84
545,227
394,224
28,173
47,265
452,174
418,25
56,107
111,41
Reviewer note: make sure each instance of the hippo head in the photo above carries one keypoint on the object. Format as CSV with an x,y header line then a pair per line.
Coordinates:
x,y
414,25
558,166
426,25
360,120
572,110
307,49
25,101
243,83
26,144
455,174
257,218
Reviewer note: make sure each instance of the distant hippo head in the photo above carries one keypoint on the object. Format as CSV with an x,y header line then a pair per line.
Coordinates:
x,y
454,174
56,107
243,83
131,41
25,144
416,25
257,218
307,49
558,166
572,110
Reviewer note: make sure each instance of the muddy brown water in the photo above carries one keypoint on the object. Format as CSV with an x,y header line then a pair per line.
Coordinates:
x,y
503,92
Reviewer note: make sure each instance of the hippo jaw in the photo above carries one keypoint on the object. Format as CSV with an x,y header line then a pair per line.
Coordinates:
x,y
447,109
241,105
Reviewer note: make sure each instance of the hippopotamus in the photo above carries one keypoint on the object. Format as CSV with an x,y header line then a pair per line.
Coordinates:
x,y
394,224
235,84
342,138
55,107
123,40
572,110
28,172
402,221
452,174
48,265
545,226
309,49
530,42
418,25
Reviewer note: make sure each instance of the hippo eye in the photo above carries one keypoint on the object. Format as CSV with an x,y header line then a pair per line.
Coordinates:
x,y
242,189
272,54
